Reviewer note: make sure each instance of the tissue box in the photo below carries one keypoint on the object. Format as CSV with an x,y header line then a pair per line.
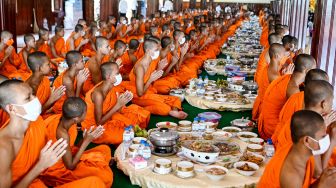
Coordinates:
x,y
138,162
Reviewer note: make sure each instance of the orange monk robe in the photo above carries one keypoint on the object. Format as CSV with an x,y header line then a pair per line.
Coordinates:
x,y
151,101
272,172
262,63
60,47
123,30
189,29
262,87
293,104
76,44
114,128
9,67
264,37
28,155
127,64
87,49
142,28
140,52
23,65
93,162
46,49
274,99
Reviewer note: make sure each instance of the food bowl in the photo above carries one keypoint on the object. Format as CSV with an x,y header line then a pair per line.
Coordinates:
x,y
216,173
231,129
209,98
200,151
255,148
244,124
246,168
253,158
167,124
178,93
210,116
222,135
227,148
184,123
246,136
259,141
184,169
137,140
162,166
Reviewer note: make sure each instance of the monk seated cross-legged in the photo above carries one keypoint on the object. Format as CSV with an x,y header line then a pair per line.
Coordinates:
x,y
9,61
128,58
279,91
82,164
293,165
72,79
296,102
25,152
23,54
145,72
106,106
76,39
57,43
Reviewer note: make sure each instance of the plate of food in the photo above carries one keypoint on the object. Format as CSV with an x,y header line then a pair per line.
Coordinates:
x,y
200,151
216,173
227,148
166,124
244,124
246,136
222,135
231,129
252,157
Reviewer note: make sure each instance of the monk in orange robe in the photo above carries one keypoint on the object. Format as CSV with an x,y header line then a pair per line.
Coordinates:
x,y
9,61
129,59
89,49
23,54
93,65
93,162
190,27
72,79
279,91
293,165
142,26
106,106
76,40
111,25
42,43
57,43
3,114
123,29
145,72
25,151
296,102
103,29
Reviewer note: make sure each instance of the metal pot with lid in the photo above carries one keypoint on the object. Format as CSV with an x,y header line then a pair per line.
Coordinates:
x,y
163,137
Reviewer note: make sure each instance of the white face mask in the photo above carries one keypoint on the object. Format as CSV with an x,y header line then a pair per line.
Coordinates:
x,y
324,144
118,78
155,55
97,34
182,40
124,22
33,109
172,48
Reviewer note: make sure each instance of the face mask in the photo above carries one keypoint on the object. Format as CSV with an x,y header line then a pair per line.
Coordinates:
x,y
155,55
83,34
97,34
33,110
124,22
182,40
118,80
10,42
324,144
172,48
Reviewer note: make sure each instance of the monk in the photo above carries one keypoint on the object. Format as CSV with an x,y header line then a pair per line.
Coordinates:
x,y
292,166
129,58
111,24
23,54
93,65
268,74
106,106
57,43
24,149
123,29
145,72
42,43
9,61
296,102
72,79
93,162
279,91
76,40
318,97
89,49
103,29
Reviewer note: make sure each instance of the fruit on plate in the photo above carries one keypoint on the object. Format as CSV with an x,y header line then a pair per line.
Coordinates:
x,y
140,132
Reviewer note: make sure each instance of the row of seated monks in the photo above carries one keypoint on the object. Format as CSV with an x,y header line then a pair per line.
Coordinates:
x,y
294,110
136,63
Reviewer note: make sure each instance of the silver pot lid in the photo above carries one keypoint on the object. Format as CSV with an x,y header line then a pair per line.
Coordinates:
x,y
163,134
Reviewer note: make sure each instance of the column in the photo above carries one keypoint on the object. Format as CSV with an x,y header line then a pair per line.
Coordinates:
x,y
285,11
324,37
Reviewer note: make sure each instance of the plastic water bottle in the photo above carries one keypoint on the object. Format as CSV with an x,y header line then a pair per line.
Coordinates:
x,y
141,147
131,131
202,125
195,125
127,141
269,148
200,80
146,151
206,80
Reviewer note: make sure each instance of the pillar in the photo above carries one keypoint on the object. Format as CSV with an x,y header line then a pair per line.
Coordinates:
x,y
285,11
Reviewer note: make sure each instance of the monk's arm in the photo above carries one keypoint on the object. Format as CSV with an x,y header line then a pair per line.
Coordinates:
x,y
318,166
172,64
25,57
100,118
69,85
7,55
72,44
69,161
140,86
94,71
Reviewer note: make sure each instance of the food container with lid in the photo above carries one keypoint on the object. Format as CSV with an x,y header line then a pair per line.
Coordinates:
x,y
162,166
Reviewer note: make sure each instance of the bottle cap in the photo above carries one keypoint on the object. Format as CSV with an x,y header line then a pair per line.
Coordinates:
x,y
269,141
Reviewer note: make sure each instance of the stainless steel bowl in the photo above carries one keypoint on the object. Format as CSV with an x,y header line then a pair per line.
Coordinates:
x,y
250,85
163,137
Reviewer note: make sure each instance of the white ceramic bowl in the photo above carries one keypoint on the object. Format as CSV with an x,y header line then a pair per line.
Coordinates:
x,y
166,124
222,135
241,135
210,98
162,166
137,140
211,73
213,176
185,169
184,123
203,157
259,141
255,148
228,129
246,173
133,150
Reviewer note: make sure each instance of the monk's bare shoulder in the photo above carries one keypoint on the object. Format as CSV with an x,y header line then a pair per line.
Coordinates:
x,y
289,177
93,64
7,152
97,95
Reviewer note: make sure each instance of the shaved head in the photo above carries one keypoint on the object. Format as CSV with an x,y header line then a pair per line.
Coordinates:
x,y
3,78
59,29
177,34
304,62
73,107
119,44
316,74
28,37
305,123
165,42
100,42
133,44
42,32
36,60
6,34
108,68
79,28
274,38
317,91
9,91
73,57
275,50
150,44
